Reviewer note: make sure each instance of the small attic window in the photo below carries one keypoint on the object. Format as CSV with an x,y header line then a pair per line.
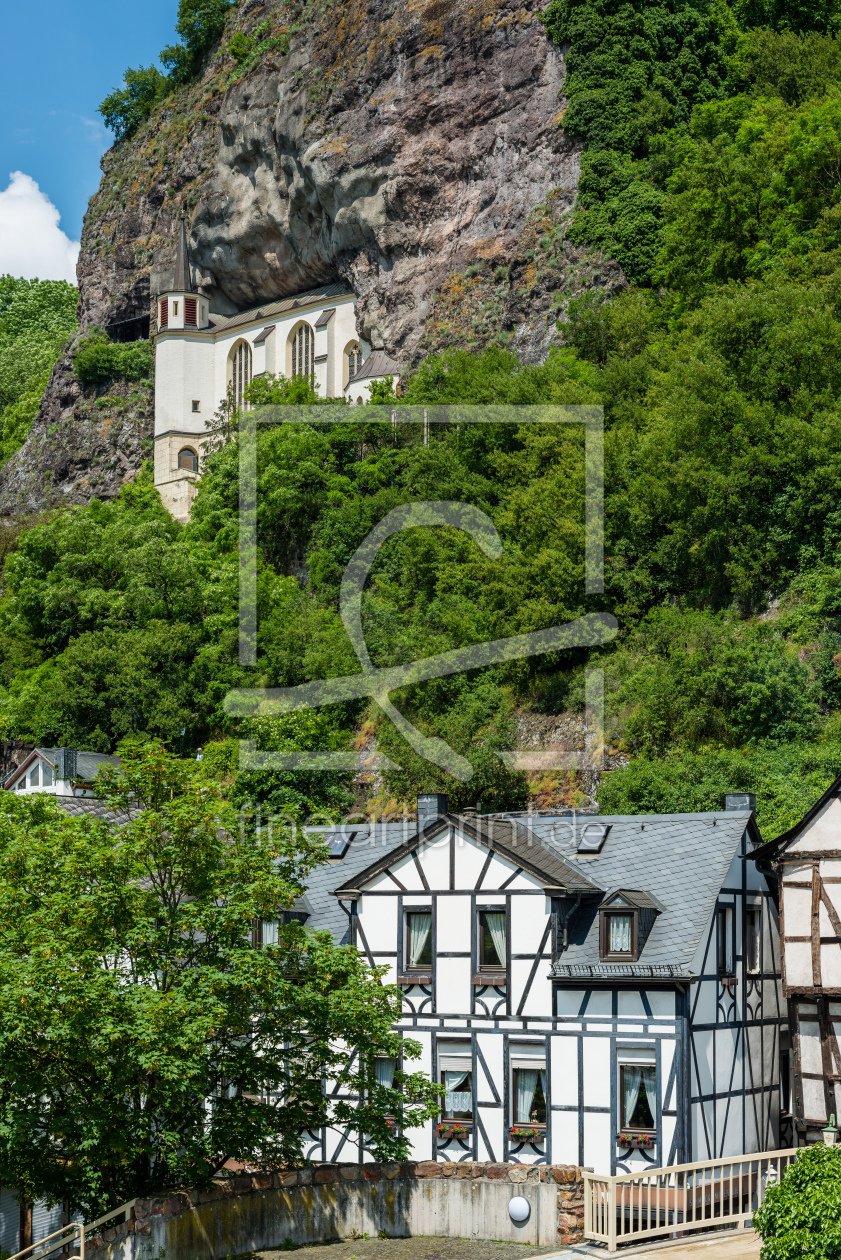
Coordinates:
x,y
618,936
592,838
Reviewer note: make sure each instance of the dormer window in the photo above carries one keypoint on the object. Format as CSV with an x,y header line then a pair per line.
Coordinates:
x,y
626,918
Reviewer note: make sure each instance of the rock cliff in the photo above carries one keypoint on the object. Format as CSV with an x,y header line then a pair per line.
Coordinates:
x,y
393,144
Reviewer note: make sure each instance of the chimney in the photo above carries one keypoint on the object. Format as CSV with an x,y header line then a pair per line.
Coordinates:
x,y
66,764
740,801
431,805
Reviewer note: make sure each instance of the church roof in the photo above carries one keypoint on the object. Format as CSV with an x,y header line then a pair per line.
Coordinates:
x,y
182,283
267,310
377,364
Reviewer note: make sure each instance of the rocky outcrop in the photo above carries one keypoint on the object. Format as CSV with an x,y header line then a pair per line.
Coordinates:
x,y
86,442
395,144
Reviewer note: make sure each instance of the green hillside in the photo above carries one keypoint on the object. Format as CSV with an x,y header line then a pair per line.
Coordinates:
x,y
712,171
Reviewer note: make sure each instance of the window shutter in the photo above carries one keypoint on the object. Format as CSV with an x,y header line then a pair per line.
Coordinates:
x,y
190,311
164,320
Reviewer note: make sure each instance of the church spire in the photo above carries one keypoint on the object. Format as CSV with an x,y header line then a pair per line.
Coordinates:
x,y
182,282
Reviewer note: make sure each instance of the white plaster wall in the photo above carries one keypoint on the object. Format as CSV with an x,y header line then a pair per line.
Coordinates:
x,y
453,929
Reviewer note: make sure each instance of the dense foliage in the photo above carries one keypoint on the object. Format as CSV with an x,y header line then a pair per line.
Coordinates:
x,y
800,1217
36,319
712,146
131,992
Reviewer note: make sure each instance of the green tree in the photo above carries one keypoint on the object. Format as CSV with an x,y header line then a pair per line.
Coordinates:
x,y
200,23
126,109
144,1040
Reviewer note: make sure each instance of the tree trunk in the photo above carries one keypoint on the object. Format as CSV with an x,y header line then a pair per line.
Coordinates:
x,y
25,1227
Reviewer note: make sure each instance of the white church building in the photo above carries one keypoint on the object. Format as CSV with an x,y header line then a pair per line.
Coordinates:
x,y
199,357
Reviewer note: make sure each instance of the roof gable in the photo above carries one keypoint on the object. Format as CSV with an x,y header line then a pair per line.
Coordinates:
x,y
513,843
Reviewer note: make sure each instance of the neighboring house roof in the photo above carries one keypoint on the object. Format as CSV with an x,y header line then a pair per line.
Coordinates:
x,y
377,364
282,306
774,847
87,763
677,863
88,807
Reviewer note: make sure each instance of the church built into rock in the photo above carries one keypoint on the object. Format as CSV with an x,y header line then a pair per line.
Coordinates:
x,y
202,359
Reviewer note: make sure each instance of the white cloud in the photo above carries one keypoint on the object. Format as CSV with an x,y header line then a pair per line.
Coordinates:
x,y
31,242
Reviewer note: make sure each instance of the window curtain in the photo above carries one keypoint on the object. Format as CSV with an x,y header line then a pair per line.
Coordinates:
x,y
270,931
384,1070
455,1097
620,934
420,926
633,1077
496,927
527,1079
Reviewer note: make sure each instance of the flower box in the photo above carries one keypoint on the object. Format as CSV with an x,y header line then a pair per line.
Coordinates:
x,y
636,1141
452,1132
526,1133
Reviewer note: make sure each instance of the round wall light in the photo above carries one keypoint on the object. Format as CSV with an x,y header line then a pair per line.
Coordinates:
x,y
519,1209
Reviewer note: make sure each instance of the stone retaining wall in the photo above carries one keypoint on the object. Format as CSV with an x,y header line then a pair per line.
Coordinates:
x,y
255,1211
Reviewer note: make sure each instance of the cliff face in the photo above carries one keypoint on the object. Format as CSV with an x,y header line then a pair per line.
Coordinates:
x,y
396,144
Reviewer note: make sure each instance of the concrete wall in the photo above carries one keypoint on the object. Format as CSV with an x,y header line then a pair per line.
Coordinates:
x,y
260,1211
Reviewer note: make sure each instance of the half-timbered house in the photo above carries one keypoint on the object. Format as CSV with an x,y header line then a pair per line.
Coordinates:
x,y
603,991
807,862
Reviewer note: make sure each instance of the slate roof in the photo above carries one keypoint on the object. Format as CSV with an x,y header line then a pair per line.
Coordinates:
x,y
88,807
282,306
679,860
377,364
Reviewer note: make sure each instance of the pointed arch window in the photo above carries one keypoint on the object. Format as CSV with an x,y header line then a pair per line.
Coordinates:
x,y
240,367
303,351
354,360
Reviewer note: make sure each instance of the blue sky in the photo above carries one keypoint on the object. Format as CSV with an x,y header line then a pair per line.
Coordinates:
x,y
62,58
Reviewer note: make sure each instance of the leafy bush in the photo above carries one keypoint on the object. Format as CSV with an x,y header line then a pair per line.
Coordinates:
x,y
99,359
800,1218
127,108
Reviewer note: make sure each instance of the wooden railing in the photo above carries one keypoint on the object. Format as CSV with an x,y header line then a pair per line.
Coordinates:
x,y
656,1202
62,1241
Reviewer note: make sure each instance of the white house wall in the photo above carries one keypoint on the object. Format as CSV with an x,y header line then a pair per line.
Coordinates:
x,y
734,1035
